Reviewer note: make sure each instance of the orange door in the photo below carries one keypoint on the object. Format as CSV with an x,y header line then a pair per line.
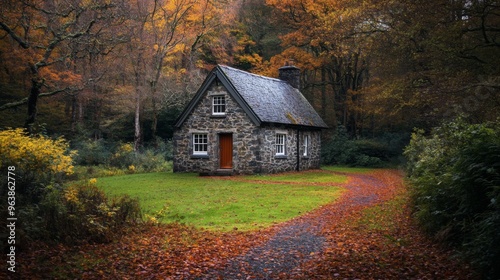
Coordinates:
x,y
226,151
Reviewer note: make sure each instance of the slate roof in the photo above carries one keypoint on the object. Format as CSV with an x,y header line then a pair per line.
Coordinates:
x,y
266,100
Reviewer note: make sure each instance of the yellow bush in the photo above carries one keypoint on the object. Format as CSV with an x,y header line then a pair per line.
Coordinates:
x,y
125,148
71,195
123,156
37,154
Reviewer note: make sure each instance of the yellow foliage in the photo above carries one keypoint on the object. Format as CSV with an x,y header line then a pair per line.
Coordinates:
x,y
71,195
152,219
125,148
37,154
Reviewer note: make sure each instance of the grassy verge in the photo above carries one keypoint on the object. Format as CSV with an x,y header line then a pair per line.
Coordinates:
x,y
345,169
385,216
245,203
312,177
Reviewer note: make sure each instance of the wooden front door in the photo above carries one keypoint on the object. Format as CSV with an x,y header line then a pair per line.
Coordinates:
x,y
226,151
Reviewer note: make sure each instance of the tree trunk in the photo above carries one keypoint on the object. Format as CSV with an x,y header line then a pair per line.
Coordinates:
x,y
323,92
74,106
154,124
137,121
36,85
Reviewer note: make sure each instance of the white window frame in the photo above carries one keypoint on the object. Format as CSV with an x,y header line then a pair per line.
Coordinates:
x,y
307,143
280,144
200,143
219,105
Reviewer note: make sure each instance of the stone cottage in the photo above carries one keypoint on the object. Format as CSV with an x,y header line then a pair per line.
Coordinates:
x,y
242,123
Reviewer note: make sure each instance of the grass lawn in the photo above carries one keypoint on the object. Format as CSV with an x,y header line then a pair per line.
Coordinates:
x,y
345,169
310,177
242,202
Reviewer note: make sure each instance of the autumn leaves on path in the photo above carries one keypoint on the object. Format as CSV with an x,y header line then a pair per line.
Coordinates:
x,y
367,233
302,239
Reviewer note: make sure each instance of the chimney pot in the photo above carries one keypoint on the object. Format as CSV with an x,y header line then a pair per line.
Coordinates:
x,y
291,74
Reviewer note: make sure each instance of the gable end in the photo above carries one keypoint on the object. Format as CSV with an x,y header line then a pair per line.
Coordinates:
x,y
217,74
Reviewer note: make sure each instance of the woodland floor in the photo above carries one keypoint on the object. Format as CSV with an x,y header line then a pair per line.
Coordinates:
x,y
366,234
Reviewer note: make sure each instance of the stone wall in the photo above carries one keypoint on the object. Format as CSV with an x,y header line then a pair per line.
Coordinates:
x,y
274,164
235,121
253,147
313,158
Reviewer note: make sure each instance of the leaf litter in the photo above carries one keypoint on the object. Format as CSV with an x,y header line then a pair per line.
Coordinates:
x,y
336,241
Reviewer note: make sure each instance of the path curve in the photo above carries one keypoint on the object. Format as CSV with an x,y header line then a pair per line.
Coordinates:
x,y
300,239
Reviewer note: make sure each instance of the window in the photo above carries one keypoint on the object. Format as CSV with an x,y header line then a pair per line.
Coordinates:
x,y
306,146
219,105
280,144
200,144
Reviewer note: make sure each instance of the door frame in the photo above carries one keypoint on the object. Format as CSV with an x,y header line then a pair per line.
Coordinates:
x,y
225,151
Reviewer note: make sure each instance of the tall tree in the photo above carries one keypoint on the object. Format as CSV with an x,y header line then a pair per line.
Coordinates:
x,y
395,64
437,59
159,30
43,32
327,43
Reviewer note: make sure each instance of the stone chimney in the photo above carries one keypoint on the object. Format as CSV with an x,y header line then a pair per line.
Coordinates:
x,y
291,74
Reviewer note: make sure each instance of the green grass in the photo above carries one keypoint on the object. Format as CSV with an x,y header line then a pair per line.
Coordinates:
x,y
302,177
384,216
221,204
345,169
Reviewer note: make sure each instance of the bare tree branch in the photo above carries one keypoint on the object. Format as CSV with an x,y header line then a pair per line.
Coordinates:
x,y
25,100
14,36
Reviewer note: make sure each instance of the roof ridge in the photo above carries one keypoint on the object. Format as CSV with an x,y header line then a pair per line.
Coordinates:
x,y
250,73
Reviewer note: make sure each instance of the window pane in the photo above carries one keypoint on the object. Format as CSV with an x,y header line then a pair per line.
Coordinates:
x,y
219,105
200,144
306,144
280,144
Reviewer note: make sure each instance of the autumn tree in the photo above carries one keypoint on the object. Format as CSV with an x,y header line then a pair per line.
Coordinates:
x,y
42,37
163,36
436,59
259,22
392,65
327,42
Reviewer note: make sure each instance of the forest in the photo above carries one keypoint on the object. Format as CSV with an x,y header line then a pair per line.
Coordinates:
x,y
122,70
92,88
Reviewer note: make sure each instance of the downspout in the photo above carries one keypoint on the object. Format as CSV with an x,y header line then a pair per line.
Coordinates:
x,y
298,150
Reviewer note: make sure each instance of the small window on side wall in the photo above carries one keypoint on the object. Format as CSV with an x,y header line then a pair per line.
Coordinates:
x,y
219,105
200,144
280,144
306,146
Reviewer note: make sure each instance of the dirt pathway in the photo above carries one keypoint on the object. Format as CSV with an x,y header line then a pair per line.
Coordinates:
x,y
299,240
336,241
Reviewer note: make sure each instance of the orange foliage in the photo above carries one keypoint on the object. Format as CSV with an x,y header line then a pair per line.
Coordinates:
x,y
64,77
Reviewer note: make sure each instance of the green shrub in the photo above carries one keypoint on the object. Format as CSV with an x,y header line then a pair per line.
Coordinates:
x,y
455,187
101,159
344,151
93,152
166,148
340,149
150,161
124,156
373,148
82,213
